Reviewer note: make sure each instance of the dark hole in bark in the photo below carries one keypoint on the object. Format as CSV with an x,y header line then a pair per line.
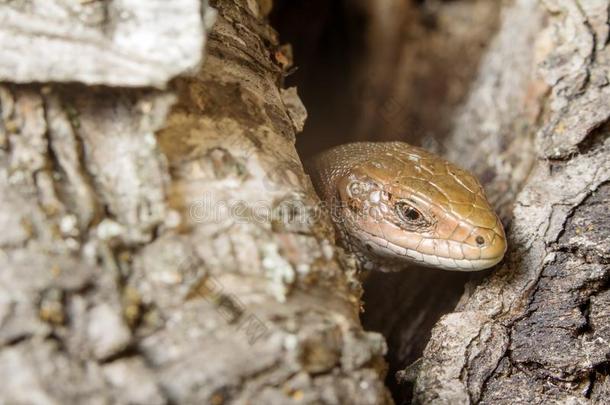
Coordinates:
x,y
360,80
326,37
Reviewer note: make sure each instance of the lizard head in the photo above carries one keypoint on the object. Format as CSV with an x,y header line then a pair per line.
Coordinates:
x,y
416,207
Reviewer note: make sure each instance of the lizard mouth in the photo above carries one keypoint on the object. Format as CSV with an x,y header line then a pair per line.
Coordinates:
x,y
390,251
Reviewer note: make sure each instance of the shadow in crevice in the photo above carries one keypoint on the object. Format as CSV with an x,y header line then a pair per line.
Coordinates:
x,y
362,80
404,307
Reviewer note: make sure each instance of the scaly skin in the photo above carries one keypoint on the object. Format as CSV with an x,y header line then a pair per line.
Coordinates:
x,y
393,203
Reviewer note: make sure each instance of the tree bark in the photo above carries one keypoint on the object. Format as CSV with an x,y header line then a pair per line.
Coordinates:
x,y
535,128
161,243
193,266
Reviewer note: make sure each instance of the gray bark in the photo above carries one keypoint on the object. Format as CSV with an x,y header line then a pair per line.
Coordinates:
x,y
537,329
153,253
116,43
165,246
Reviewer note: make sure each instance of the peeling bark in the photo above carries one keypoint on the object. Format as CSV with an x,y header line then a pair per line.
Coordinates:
x,y
536,330
117,43
166,246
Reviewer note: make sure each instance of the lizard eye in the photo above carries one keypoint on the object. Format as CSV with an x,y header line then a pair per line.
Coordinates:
x,y
407,212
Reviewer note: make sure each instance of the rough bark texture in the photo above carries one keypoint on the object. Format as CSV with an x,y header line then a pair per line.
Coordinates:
x,y
165,246
537,329
118,43
190,266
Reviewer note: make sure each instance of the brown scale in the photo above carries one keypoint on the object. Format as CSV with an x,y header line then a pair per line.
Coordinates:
x,y
432,204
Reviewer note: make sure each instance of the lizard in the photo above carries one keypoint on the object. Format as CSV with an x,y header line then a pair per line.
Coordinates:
x,y
394,204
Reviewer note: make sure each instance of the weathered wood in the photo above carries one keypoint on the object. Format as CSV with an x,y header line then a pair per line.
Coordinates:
x,y
156,256
115,43
536,330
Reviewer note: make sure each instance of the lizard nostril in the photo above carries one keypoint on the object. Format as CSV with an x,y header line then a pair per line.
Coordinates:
x,y
480,240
